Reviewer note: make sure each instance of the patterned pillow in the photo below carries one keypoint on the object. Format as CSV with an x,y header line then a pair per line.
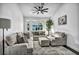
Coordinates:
x,y
20,38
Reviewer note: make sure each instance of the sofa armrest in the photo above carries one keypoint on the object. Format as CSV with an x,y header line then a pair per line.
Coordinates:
x,y
17,49
30,43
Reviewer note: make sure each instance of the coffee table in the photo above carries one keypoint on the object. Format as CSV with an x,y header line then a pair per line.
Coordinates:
x,y
43,41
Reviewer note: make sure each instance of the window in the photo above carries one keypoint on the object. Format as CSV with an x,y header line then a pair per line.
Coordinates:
x,y
37,26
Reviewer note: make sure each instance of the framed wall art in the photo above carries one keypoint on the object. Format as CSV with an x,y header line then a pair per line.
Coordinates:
x,y
62,20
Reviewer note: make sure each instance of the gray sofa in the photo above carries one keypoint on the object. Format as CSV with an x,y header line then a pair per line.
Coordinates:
x,y
59,40
12,47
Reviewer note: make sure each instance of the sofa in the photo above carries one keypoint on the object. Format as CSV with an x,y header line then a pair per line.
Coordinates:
x,y
39,33
18,44
60,38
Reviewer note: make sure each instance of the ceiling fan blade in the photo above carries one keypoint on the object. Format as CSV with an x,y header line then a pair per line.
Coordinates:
x,y
36,8
34,12
45,9
38,12
42,12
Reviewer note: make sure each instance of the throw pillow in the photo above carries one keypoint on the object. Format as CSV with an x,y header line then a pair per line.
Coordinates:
x,y
27,35
20,40
11,40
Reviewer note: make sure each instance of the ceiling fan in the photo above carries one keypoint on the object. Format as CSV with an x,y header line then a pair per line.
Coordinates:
x,y
40,9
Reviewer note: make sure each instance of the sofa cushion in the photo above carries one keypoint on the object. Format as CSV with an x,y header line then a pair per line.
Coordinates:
x,y
11,40
27,35
57,34
20,40
20,34
60,34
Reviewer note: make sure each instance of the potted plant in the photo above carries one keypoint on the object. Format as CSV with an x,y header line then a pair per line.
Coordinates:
x,y
49,23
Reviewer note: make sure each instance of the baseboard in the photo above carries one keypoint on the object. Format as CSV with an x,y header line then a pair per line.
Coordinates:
x,y
76,52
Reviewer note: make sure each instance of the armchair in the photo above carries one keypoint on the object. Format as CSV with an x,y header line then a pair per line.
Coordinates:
x,y
61,40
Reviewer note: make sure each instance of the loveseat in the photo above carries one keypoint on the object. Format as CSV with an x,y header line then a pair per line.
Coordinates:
x,y
18,44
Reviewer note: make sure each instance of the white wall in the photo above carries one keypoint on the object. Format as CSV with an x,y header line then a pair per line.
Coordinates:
x,y
12,12
71,28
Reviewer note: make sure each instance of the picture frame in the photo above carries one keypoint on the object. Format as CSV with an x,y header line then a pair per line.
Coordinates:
x,y
62,20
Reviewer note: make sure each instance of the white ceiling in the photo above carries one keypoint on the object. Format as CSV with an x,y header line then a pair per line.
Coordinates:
x,y
26,9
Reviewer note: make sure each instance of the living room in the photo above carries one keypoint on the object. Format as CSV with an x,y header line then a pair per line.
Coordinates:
x,y
22,19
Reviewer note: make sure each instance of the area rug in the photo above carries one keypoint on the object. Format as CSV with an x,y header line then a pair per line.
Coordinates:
x,y
59,50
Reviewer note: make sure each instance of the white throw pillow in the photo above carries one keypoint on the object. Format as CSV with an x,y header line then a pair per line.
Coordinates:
x,y
11,40
57,34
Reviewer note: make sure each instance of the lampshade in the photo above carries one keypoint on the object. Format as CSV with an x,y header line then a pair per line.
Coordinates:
x,y
4,23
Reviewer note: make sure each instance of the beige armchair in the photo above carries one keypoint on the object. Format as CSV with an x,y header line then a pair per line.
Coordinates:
x,y
61,40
